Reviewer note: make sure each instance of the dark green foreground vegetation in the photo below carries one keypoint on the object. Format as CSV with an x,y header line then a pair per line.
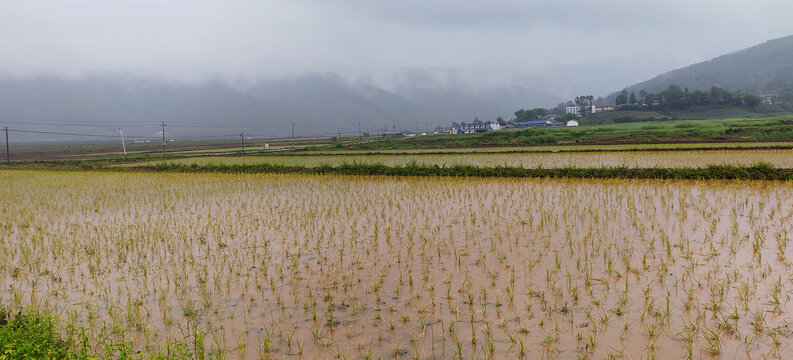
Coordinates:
x,y
31,335
760,171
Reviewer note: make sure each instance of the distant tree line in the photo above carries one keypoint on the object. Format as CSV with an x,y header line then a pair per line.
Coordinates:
x,y
584,104
524,115
675,97
783,101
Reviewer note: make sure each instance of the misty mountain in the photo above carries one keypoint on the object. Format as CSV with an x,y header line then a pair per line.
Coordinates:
x,y
487,104
762,69
342,104
512,98
430,104
601,76
99,104
318,104
453,105
457,95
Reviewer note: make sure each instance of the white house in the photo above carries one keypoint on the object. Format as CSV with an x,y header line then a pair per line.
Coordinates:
x,y
576,110
572,123
495,126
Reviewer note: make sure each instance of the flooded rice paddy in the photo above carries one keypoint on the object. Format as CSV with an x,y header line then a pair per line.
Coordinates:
x,y
636,159
257,266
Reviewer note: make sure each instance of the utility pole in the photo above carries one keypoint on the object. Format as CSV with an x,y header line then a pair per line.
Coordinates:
x,y
163,138
417,128
360,134
242,139
8,153
123,146
339,136
293,134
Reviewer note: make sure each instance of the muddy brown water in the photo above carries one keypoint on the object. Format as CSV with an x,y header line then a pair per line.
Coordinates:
x,y
325,266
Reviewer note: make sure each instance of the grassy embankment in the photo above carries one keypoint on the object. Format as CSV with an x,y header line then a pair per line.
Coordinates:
x,y
695,128
643,134
760,171
680,131
694,113
766,133
362,154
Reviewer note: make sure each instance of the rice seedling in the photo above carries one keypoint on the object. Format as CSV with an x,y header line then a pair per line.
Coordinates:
x,y
713,338
758,320
233,265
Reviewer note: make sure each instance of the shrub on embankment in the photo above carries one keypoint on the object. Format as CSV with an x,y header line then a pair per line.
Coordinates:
x,y
760,171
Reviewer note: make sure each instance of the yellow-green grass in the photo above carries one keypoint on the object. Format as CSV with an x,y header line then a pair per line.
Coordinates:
x,y
557,148
781,158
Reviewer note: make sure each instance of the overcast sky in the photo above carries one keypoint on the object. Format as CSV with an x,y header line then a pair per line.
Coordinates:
x,y
496,40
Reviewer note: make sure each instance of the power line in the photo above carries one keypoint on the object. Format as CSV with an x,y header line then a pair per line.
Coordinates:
x,y
220,126
8,152
204,137
183,125
163,138
30,121
224,136
73,134
228,136
223,125
36,121
66,122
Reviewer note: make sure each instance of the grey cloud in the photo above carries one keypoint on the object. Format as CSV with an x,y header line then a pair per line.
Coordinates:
x,y
478,41
513,14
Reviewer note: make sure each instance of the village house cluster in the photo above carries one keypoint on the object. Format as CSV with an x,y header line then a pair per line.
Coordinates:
x,y
542,121
576,110
550,120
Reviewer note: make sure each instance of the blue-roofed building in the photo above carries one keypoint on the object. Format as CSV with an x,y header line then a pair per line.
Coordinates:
x,y
536,123
533,123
